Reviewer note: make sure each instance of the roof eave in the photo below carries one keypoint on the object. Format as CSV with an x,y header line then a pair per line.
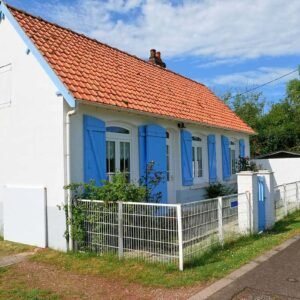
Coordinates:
x,y
164,117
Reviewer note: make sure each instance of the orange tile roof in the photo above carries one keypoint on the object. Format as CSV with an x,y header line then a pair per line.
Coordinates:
x,y
98,73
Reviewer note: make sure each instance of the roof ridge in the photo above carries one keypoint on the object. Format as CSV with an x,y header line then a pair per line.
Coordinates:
x,y
104,44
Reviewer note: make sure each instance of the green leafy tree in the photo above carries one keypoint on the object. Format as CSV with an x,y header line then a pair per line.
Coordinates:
x,y
250,108
279,127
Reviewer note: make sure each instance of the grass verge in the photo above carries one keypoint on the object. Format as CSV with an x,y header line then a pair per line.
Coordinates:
x,y
13,287
10,248
208,267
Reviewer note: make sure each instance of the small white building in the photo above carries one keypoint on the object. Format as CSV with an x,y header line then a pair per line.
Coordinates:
x,y
73,109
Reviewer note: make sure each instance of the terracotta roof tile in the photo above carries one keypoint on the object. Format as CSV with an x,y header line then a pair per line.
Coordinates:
x,y
95,72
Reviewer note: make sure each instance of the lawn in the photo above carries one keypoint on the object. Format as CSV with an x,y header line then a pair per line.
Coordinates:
x,y
14,287
205,268
9,248
51,274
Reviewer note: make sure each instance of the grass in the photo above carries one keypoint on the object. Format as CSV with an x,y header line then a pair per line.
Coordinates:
x,y
13,287
208,267
10,248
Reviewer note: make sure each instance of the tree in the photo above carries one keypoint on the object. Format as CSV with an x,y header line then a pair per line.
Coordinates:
x,y
250,108
278,128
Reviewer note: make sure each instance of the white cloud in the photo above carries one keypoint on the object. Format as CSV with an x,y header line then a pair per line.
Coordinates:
x,y
210,28
255,77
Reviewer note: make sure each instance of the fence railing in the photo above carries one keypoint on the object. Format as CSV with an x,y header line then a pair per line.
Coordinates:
x,y
287,199
168,233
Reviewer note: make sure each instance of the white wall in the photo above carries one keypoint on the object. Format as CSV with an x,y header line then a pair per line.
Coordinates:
x,y
285,169
32,130
134,120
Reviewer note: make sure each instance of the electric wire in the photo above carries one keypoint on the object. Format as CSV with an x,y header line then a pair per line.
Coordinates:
x,y
264,84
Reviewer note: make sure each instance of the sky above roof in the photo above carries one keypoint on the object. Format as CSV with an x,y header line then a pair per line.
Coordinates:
x,y
227,45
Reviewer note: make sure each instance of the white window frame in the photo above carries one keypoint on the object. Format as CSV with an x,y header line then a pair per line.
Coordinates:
x,y
233,147
203,145
169,158
118,138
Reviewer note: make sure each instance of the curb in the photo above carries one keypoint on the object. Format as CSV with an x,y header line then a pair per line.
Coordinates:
x,y
220,284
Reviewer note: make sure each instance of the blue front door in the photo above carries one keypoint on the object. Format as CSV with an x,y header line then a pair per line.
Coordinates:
x,y
261,203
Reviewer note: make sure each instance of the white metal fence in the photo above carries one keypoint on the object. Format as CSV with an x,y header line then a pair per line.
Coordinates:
x,y
287,199
170,233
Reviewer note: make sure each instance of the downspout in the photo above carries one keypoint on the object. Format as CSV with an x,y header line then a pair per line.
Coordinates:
x,y
68,168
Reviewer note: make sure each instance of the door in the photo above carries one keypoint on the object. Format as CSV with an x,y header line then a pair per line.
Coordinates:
x,y
261,203
170,168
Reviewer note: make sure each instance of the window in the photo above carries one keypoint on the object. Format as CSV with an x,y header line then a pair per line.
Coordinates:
x,y
197,157
168,156
232,157
118,144
116,129
233,161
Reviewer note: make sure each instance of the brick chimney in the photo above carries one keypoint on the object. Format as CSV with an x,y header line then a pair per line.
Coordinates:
x,y
152,57
155,58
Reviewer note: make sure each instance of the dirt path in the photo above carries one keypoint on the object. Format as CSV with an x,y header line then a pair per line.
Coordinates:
x,y
74,286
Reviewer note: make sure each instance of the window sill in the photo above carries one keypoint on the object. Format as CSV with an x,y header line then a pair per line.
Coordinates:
x,y
197,186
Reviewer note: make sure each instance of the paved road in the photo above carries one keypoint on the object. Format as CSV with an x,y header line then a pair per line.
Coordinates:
x,y
275,279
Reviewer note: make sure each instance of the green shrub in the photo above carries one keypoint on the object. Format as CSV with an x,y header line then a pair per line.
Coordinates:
x,y
244,164
119,189
218,189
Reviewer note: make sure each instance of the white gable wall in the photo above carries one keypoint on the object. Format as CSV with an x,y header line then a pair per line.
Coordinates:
x,y
133,121
32,129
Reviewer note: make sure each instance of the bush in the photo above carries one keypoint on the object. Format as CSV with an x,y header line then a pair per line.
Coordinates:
x,y
218,189
244,164
119,189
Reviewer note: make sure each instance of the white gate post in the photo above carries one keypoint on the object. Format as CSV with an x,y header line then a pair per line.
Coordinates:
x,y
297,194
180,238
269,196
220,220
285,200
247,202
120,229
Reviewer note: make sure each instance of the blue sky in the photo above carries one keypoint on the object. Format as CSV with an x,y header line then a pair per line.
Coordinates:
x,y
228,45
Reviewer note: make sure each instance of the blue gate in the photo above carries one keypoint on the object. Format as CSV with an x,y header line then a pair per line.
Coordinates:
x,y
261,203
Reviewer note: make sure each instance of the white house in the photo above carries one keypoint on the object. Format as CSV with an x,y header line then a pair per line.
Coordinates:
x,y
73,109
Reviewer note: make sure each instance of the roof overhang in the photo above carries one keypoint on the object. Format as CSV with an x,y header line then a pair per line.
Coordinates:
x,y
162,117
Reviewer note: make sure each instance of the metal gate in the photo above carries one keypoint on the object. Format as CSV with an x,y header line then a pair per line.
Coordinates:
x,y
261,203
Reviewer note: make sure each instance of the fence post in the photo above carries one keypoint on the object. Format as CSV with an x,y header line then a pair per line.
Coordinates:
x,y
285,201
120,229
180,238
247,202
220,220
297,194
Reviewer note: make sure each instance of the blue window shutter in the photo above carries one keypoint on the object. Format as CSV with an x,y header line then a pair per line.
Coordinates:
x,y
142,151
186,158
242,148
212,165
94,150
225,158
153,148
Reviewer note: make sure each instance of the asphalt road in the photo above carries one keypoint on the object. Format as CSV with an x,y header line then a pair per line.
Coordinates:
x,y
278,278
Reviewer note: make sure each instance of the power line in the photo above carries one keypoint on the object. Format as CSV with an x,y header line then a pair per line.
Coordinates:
x,y
266,83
